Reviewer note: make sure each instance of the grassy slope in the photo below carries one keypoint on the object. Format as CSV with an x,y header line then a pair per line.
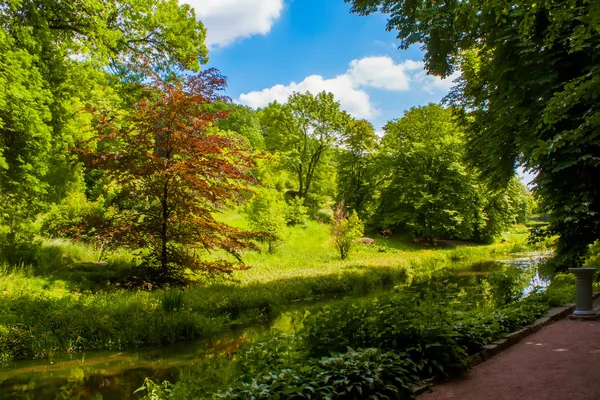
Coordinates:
x,y
60,307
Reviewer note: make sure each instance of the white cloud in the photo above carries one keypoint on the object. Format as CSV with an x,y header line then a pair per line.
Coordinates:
x,y
349,88
353,100
228,20
382,73
434,84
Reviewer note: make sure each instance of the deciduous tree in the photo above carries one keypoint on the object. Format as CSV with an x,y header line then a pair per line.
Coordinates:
x,y
303,130
357,176
176,170
529,89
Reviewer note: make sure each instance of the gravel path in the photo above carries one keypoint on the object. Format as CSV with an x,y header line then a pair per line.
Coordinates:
x,y
559,362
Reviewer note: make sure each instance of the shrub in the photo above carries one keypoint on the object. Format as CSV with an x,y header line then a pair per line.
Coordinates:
x,y
592,258
323,215
296,214
266,213
362,374
345,230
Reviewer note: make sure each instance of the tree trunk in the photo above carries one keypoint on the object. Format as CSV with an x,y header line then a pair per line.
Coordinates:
x,y
163,234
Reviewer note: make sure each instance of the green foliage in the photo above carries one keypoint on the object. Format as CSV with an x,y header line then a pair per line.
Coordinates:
x,y
172,300
357,174
54,58
245,122
303,131
362,374
562,290
429,191
592,259
345,230
296,214
527,95
400,339
324,216
267,214
156,391
68,301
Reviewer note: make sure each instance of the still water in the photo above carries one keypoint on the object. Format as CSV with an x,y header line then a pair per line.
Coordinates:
x,y
116,375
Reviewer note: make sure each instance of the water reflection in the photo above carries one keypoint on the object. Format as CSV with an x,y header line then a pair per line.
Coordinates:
x,y
116,375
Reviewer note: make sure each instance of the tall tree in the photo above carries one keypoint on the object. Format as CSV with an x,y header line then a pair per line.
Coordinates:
x,y
303,130
357,173
53,61
529,88
428,188
176,171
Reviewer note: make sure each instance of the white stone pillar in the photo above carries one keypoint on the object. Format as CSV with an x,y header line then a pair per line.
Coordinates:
x,y
584,305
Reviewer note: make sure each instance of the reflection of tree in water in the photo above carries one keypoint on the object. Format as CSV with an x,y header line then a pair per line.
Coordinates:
x,y
117,376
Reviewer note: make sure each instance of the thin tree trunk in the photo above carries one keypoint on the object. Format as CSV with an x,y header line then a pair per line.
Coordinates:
x,y
163,236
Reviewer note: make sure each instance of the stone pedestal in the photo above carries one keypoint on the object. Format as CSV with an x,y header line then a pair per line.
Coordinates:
x,y
584,305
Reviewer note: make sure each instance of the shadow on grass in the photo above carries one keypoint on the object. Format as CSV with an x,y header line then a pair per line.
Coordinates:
x,y
79,267
406,243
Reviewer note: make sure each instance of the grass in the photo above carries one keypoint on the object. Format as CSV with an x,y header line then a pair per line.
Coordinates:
x,y
70,301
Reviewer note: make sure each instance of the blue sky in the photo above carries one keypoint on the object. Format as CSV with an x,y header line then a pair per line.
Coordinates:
x,y
271,48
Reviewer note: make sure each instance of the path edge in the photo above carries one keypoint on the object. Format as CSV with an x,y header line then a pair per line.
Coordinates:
x,y
490,350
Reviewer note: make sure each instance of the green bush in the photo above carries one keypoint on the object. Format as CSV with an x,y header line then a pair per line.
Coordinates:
x,y
296,214
267,214
592,258
363,374
400,340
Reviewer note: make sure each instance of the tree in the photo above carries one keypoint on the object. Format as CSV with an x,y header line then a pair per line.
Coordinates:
x,y
357,174
245,122
303,130
54,57
428,189
296,214
175,171
266,213
528,91
345,230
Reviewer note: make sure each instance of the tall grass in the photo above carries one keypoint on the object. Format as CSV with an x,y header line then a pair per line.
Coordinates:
x,y
69,301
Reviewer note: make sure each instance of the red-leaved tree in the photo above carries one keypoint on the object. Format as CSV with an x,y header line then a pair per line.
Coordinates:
x,y
175,171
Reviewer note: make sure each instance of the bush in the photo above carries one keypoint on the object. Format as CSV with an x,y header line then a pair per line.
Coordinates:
x,y
267,214
362,374
592,258
324,216
345,231
296,214
400,340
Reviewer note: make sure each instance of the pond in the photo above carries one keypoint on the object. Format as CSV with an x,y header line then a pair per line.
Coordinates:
x,y
116,375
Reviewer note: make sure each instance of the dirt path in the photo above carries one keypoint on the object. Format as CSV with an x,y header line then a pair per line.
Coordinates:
x,y
560,362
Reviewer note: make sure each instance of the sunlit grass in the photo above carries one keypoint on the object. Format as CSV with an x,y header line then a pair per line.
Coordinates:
x,y
70,301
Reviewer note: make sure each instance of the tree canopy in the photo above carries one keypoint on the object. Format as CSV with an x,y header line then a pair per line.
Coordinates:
x,y
303,130
528,94
55,59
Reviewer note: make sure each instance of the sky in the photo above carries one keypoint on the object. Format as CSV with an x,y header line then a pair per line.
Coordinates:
x,y
269,49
